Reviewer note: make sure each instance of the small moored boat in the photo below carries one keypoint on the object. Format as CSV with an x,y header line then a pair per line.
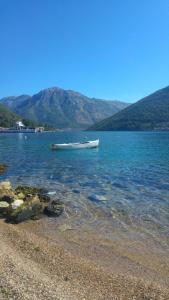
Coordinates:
x,y
82,145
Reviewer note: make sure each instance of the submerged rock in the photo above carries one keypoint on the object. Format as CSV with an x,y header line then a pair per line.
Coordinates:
x,y
24,192
4,206
44,198
76,191
26,202
27,190
55,208
65,227
30,209
3,168
97,198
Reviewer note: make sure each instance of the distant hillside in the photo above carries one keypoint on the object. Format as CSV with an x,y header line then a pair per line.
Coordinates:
x,y
63,108
7,118
150,113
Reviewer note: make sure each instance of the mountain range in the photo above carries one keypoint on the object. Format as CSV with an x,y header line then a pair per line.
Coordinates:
x,y
150,113
62,108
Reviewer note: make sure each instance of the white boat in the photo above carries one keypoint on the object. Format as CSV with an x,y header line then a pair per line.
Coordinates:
x,y
82,145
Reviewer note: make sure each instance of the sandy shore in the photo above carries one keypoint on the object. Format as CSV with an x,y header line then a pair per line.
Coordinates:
x,y
34,267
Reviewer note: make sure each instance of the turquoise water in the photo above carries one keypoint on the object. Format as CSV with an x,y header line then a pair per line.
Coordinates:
x,y
125,180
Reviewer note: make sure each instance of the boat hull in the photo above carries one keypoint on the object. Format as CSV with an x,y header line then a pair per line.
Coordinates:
x,y
72,146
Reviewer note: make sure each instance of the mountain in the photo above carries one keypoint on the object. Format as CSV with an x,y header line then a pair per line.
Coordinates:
x,y
7,118
12,102
62,108
150,113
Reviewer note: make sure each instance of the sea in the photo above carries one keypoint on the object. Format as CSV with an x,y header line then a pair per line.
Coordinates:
x,y
121,185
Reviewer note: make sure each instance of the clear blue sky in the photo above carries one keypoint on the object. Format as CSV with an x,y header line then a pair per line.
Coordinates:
x,y
112,49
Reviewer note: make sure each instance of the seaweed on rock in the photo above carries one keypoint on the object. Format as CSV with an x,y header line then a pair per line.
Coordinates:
x,y
26,203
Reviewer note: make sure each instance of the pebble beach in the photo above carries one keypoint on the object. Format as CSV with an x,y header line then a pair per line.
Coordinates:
x,y
33,266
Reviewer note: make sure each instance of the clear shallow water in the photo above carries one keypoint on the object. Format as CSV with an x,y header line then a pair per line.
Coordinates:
x,y
130,170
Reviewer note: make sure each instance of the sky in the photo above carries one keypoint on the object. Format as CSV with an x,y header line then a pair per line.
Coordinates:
x,y
109,49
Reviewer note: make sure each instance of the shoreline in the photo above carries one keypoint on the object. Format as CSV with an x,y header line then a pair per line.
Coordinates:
x,y
34,266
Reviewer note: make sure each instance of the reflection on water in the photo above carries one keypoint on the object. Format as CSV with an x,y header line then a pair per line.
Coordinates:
x,y
124,183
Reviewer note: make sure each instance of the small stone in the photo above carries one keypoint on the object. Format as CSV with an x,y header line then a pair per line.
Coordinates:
x,y
3,208
17,203
66,278
20,195
76,191
51,193
6,192
65,227
6,185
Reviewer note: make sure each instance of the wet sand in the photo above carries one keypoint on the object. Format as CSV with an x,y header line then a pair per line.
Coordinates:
x,y
77,265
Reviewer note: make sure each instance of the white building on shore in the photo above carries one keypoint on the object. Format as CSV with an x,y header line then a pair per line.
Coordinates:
x,y
20,125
